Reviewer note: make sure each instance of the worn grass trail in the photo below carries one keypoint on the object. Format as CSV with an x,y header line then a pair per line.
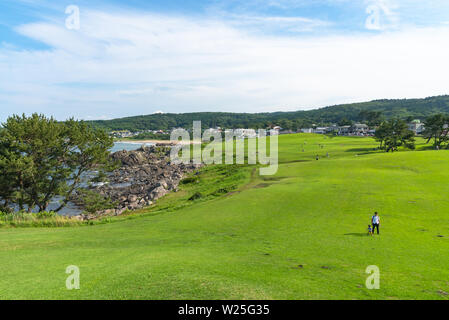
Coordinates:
x,y
300,234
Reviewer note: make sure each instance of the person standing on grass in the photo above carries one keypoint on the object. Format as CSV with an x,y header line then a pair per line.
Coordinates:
x,y
376,222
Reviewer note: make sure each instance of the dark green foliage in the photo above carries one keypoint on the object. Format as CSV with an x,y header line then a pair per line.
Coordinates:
x,y
372,118
151,136
394,134
436,129
371,112
196,196
92,202
190,180
345,122
222,191
41,158
382,133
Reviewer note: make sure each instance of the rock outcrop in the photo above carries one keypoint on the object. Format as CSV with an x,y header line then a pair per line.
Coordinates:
x,y
144,176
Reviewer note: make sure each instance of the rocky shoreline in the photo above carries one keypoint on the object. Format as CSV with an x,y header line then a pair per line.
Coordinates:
x,y
144,176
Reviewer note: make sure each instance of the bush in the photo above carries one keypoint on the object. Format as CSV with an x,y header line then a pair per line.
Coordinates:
x,y
93,202
44,215
190,180
196,196
221,191
5,210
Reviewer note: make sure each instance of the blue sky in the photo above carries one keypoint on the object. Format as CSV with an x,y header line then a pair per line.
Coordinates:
x,y
139,57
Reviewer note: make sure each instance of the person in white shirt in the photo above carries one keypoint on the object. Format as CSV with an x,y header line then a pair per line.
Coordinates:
x,y
376,222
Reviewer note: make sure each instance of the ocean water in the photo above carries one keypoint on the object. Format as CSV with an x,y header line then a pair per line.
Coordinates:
x,y
128,146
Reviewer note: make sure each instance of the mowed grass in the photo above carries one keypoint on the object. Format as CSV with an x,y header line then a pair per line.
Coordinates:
x,y
300,234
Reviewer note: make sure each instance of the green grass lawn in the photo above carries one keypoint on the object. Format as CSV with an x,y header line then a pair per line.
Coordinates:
x,y
300,234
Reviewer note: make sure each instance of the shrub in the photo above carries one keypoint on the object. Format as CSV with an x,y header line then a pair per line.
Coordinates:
x,y
92,202
196,196
44,215
190,180
221,191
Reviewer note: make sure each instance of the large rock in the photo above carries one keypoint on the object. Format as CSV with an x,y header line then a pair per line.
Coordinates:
x,y
129,158
144,176
158,193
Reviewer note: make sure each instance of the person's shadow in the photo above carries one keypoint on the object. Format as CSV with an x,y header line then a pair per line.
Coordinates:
x,y
356,234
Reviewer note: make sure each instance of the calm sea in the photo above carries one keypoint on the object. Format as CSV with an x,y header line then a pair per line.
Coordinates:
x,y
128,146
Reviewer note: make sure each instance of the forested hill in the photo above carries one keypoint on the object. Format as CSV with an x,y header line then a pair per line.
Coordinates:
x,y
407,109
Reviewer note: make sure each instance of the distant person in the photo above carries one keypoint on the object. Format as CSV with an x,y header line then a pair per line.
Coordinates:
x,y
370,230
376,222
327,154
317,158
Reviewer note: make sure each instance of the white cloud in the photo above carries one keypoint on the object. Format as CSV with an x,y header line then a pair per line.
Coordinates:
x,y
278,23
121,64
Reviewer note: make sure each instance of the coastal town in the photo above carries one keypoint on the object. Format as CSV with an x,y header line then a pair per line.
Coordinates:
x,y
356,129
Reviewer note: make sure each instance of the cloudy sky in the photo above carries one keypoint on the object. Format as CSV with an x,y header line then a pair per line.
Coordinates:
x,y
121,58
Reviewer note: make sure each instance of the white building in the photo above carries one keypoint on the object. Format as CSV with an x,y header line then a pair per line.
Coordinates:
x,y
321,130
416,126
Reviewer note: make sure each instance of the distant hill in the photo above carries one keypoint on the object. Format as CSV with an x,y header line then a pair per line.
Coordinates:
x,y
407,109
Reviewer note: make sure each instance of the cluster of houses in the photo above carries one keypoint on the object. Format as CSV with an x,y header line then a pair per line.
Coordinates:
x,y
128,134
357,129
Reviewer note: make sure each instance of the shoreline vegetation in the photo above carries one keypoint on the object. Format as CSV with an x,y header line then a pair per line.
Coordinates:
x,y
196,187
42,159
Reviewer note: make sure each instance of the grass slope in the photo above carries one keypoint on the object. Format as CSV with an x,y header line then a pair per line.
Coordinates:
x,y
297,235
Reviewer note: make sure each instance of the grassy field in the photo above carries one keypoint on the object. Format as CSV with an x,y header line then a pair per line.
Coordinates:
x,y
300,234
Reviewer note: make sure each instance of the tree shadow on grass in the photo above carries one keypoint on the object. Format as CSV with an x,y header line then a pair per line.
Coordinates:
x,y
357,234
429,148
366,150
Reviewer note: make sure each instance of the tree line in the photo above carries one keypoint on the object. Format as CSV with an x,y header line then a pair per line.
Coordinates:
x,y
392,134
372,113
